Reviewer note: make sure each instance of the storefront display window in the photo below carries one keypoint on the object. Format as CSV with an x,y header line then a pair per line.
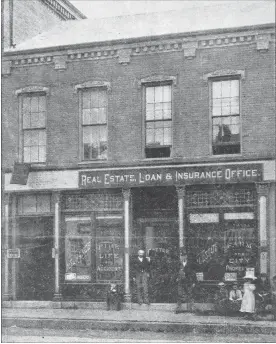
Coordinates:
x,y
222,231
78,249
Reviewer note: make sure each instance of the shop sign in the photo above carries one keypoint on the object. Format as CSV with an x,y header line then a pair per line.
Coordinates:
x,y
13,253
170,176
230,276
199,276
20,173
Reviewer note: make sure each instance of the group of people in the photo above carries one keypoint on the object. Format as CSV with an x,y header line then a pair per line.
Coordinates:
x,y
254,295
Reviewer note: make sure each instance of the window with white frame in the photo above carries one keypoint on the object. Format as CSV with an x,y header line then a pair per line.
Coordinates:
x,y
33,110
158,121
94,123
225,108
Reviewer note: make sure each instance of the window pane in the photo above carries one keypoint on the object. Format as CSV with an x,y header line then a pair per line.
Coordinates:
x,y
216,89
86,100
34,104
27,154
158,94
101,115
94,99
215,132
29,204
217,111
34,154
43,203
226,89
167,112
150,112
42,137
35,120
235,85
42,153
159,136
41,119
87,135
167,93
158,114
167,136
149,136
42,104
27,138
86,116
150,95
102,98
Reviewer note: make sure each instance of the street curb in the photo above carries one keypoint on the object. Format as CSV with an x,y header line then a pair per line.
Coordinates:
x,y
196,328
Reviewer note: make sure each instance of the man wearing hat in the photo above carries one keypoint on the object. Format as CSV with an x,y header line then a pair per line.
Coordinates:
x,y
221,299
186,281
141,265
248,300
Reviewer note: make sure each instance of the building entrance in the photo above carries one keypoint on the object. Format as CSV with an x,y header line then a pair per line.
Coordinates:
x,y
36,265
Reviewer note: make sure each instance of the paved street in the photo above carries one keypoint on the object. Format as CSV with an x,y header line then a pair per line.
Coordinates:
x,y
20,335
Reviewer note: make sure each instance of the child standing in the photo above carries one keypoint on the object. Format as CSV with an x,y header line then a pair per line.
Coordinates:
x,y
248,300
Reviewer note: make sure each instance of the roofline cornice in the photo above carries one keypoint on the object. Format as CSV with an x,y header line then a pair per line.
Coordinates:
x,y
192,35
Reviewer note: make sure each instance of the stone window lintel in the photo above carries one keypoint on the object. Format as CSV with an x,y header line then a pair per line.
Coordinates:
x,y
223,73
157,78
93,84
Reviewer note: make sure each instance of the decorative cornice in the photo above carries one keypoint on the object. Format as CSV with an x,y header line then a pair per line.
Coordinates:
x,y
31,89
157,78
94,83
124,52
224,72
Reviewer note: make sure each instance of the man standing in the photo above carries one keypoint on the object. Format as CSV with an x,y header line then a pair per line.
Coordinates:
x,y
186,281
142,273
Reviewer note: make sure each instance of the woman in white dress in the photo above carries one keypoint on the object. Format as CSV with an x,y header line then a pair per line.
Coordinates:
x,y
248,299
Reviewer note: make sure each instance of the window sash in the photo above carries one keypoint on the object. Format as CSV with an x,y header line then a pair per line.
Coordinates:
x,y
33,111
225,110
94,124
158,116
34,145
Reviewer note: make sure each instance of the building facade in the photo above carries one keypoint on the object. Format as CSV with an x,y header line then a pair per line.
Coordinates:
x,y
165,143
23,20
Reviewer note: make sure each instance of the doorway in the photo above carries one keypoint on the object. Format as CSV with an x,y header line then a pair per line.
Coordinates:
x,y
36,265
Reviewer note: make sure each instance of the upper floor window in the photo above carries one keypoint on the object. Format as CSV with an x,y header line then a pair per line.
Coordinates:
x,y
33,110
94,123
158,121
225,107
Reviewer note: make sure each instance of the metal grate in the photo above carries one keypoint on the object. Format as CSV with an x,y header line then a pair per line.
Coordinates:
x,y
93,202
239,197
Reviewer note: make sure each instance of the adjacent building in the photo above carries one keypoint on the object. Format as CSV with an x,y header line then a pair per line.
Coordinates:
x,y
159,137
22,20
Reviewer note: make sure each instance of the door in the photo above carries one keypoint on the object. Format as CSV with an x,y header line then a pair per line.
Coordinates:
x,y
36,265
161,242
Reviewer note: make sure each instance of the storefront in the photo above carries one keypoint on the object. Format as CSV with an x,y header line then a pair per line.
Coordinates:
x,y
77,239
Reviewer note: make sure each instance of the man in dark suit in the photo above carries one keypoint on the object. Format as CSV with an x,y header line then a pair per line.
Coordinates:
x,y
141,267
186,281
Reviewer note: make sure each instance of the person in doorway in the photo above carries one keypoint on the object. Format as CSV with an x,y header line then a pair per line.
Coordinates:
x,y
273,297
186,281
262,293
248,301
142,273
221,299
235,298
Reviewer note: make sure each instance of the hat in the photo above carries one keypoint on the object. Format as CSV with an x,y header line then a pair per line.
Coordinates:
x,y
221,284
250,274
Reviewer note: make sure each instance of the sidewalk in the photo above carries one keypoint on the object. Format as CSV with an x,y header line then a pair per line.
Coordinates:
x,y
143,319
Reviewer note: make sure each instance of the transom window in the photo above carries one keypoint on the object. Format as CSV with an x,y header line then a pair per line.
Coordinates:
x,y
225,109
158,121
34,128
94,123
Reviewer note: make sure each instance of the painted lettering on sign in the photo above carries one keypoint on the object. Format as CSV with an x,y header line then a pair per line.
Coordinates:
x,y
170,176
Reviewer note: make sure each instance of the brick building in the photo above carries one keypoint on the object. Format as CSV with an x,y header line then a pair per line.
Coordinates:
x,y
161,137
25,19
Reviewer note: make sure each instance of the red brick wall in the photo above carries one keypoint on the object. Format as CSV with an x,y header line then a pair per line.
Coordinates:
x,y
191,99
